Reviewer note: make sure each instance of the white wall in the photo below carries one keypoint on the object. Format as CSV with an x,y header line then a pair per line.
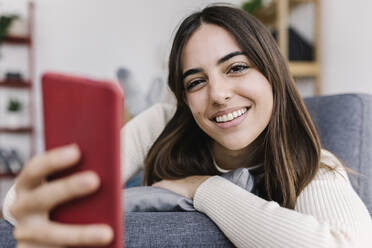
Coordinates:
x,y
96,37
347,46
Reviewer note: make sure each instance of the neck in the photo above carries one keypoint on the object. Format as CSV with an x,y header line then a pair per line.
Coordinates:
x,y
233,159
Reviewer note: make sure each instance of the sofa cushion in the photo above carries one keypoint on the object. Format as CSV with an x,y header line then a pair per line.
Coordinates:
x,y
155,199
344,124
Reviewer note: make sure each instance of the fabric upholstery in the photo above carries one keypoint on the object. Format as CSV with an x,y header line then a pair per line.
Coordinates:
x,y
155,199
156,229
344,123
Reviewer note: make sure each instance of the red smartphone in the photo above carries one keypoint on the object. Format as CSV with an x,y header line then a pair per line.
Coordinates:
x,y
88,113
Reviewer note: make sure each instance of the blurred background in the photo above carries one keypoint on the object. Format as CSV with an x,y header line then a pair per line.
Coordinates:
x,y
327,43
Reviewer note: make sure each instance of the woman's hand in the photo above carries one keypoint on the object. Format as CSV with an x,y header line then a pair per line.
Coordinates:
x,y
186,186
35,198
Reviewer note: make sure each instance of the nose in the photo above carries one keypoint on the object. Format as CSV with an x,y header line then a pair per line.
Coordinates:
x,y
220,90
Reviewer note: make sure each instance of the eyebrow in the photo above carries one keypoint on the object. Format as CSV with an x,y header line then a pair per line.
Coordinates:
x,y
220,61
191,71
229,56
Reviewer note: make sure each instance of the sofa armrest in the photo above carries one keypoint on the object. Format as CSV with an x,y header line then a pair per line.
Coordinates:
x,y
156,229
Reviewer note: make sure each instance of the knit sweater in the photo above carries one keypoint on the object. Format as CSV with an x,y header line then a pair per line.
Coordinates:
x,y
328,212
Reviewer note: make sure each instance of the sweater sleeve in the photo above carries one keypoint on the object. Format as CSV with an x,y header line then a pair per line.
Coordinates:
x,y
328,213
137,136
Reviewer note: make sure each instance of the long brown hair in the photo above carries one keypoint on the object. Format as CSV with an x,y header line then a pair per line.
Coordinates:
x,y
290,146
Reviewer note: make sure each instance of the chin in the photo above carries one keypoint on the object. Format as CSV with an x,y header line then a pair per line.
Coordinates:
x,y
238,141
233,145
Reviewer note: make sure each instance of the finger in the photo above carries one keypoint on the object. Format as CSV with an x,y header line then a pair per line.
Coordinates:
x,y
35,245
45,164
59,191
158,183
66,235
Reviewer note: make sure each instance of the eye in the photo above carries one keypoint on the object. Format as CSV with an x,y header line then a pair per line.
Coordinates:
x,y
238,68
194,83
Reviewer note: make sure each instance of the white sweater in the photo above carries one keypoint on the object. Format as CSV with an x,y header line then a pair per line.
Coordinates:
x,y
328,213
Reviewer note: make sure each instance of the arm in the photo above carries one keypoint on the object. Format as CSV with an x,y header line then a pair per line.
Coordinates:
x,y
328,213
137,136
35,197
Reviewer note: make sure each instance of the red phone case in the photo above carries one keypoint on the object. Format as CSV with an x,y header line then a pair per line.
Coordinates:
x,y
88,113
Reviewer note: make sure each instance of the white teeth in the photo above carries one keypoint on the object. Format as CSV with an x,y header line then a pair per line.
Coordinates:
x,y
231,116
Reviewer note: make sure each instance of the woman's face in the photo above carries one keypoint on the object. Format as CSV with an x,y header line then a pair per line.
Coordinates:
x,y
230,100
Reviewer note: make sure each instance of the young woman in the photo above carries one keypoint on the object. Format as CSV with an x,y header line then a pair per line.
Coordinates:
x,y
237,106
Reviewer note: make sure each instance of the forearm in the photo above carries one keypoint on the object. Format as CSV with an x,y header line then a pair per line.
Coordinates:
x,y
139,134
248,220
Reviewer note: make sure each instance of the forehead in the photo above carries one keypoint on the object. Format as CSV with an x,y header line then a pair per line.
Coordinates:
x,y
206,45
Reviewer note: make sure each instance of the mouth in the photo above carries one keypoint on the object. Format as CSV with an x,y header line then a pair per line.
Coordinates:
x,y
231,116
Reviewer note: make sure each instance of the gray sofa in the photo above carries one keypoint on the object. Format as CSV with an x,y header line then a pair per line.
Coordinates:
x,y
344,123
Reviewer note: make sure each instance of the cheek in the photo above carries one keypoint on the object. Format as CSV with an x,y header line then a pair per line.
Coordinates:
x,y
196,103
258,89
198,117
198,106
267,99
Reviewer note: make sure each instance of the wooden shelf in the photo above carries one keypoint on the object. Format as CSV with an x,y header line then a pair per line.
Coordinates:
x,y
268,14
302,1
16,130
15,83
25,41
304,69
276,15
17,40
7,175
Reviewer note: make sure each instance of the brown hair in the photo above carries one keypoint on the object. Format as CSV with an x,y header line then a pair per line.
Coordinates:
x,y
290,146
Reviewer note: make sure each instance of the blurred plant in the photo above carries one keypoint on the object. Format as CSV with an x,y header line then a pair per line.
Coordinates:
x,y
252,6
14,105
5,22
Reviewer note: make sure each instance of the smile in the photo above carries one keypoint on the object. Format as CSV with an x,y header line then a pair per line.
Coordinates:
x,y
230,116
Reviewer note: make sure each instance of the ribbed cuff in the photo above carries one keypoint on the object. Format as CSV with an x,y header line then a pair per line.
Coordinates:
x,y
204,190
8,201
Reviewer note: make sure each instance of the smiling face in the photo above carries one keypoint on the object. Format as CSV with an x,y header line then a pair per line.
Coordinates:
x,y
230,100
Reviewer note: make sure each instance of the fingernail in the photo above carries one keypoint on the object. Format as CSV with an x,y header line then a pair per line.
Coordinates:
x,y
89,180
102,234
70,151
